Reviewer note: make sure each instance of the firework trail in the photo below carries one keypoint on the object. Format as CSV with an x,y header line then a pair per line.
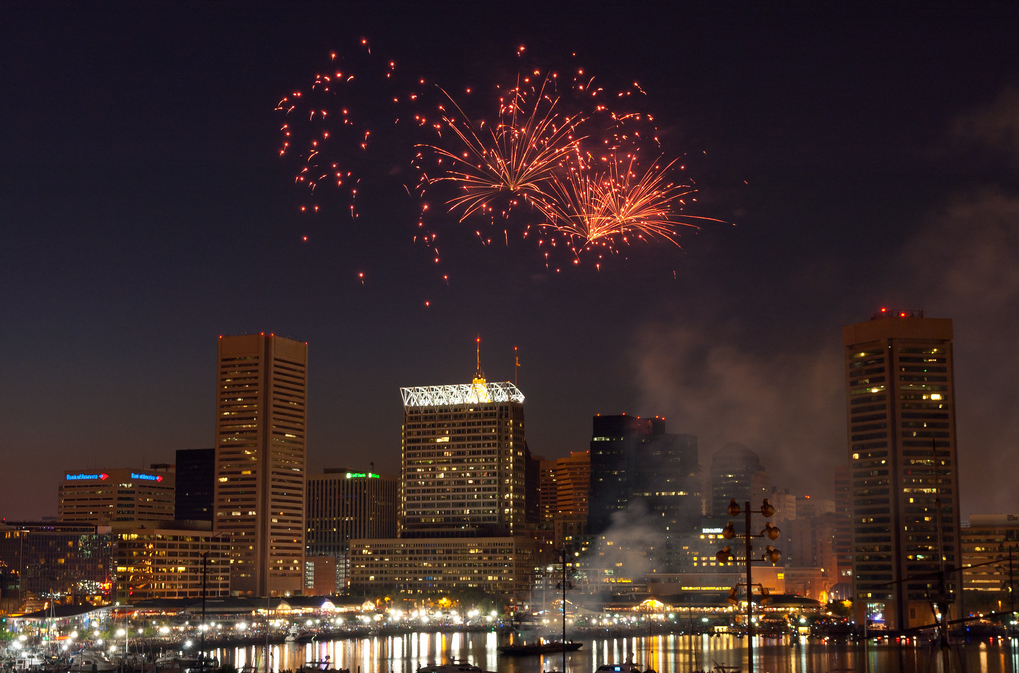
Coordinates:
x,y
548,159
514,157
331,128
616,204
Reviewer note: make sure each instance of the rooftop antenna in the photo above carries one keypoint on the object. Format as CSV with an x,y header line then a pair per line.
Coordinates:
x,y
516,365
479,376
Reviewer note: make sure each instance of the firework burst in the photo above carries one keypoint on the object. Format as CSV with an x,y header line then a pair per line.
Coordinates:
x,y
616,204
513,158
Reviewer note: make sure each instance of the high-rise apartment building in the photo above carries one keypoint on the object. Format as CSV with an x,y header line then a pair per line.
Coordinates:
x,y
120,494
260,461
902,455
463,460
196,484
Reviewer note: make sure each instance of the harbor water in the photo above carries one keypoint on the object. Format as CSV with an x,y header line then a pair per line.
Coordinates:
x,y
667,653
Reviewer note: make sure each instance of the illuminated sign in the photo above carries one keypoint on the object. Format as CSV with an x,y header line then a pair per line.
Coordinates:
x,y
361,475
147,477
710,531
80,477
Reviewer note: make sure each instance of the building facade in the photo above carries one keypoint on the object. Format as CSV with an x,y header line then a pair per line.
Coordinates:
x,y
990,562
737,474
502,567
195,494
168,560
63,562
344,505
462,515
463,461
122,494
902,454
261,418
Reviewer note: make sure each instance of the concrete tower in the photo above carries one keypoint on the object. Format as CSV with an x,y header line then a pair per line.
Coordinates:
x,y
261,398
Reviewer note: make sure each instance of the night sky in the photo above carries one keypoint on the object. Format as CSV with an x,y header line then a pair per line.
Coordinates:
x,y
858,155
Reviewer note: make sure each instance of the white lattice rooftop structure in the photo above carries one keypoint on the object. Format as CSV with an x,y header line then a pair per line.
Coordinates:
x,y
461,393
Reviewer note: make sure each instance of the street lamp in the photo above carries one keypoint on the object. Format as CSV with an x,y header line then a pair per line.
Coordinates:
x,y
770,555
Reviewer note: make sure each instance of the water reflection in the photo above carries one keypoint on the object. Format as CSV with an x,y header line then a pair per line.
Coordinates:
x,y
667,653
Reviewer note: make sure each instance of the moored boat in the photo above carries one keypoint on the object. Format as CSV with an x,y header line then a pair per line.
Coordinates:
x,y
455,666
543,647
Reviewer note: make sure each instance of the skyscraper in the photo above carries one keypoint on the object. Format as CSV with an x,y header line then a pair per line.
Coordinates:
x,y
633,459
463,460
736,473
462,501
260,461
902,455
196,484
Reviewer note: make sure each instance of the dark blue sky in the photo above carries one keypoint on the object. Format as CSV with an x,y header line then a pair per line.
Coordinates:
x,y
867,155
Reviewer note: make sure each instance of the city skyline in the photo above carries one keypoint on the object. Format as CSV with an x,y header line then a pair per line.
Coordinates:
x,y
867,157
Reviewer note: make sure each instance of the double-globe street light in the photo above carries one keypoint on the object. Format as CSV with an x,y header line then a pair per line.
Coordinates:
x,y
770,555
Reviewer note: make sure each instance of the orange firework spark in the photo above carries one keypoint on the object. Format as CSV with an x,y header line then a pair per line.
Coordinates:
x,y
514,157
615,204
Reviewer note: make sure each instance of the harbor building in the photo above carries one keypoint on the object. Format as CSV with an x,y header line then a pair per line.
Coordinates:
x,y
343,505
42,562
462,516
900,406
196,484
633,459
737,473
463,460
261,417
169,560
119,494
990,562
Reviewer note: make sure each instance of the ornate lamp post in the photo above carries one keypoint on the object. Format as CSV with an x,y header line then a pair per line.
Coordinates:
x,y
770,555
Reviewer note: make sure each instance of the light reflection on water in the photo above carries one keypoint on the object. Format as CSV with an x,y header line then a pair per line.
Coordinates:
x,y
664,653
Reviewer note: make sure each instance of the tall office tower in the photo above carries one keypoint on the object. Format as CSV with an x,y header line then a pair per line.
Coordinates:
x,y
736,472
462,515
573,483
344,505
196,484
634,460
120,494
843,589
532,488
260,461
902,453
548,492
463,460
613,453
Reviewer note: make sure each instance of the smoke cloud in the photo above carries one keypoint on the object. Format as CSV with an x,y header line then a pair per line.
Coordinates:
x,y
787,402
